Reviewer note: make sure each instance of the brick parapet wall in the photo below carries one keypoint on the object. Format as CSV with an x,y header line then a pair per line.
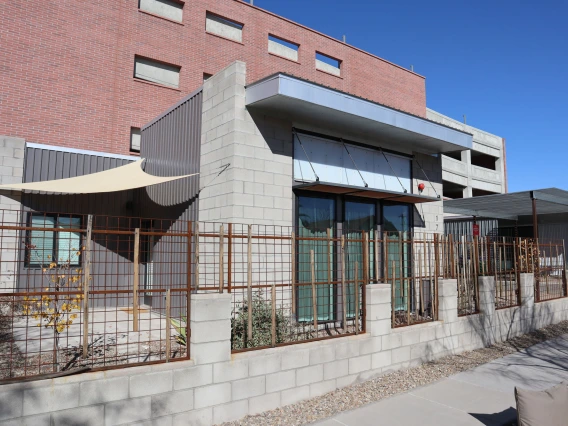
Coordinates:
x,y
216,386
68,67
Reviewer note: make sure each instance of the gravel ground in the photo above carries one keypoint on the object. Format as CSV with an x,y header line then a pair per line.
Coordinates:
x,y
382,387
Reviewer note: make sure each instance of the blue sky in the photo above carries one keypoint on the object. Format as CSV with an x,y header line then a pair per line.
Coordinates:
x,y
502,63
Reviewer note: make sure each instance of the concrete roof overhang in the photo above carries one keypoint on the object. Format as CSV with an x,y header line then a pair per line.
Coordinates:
x,y
302,101
512,205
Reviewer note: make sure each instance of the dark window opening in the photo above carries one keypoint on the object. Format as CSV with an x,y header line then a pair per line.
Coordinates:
x,y
45,247
483,160
456,155
452,190
481,192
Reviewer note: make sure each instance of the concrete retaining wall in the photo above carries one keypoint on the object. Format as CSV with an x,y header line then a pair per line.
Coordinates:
x,y
216,386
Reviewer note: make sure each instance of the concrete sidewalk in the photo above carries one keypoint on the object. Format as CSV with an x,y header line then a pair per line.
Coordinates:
x,y
481,396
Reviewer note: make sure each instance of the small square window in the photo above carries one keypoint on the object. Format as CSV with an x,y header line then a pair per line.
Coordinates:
x,y
223,27
156,72
328,64
169,9
135,137
45,247
283,48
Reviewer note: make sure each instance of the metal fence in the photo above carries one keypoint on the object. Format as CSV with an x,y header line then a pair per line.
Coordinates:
x,y
278,300
96,292
90,292
411,264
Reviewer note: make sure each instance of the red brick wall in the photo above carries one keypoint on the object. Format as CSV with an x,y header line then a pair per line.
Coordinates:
x,y
66,67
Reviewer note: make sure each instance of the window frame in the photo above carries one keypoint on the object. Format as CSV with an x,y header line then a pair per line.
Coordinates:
x,y
55,250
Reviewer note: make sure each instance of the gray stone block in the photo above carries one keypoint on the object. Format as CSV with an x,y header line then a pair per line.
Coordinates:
x,y
246,388
211,395
128,411
308,375
231,370
151,384
39,420
48,399
322,354
202,417
169,403
83,416
100,391
321,388
258,404
359,364
279,381
336,369
265,364
291,396
229,412
11,403
193,377
295,358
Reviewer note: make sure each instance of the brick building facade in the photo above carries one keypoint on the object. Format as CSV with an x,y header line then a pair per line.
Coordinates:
x,y
68,67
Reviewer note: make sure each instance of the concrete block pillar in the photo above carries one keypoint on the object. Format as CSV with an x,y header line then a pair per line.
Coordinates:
x,y
210,317
448,299
12,151
487,306
378,309
526,287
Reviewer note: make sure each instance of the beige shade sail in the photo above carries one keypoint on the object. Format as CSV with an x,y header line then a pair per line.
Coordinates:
x,y
121,178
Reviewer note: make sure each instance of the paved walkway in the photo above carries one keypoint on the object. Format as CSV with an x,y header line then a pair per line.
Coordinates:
x,y
481,396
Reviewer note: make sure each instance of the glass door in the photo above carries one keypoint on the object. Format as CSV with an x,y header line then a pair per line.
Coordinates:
x,y
396,223
315,216
359,216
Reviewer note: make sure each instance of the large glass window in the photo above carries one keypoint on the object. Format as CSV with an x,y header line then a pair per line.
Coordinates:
x,y
315,216
359,216
45,246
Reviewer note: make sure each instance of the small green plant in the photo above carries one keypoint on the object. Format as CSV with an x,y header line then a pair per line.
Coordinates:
x,y
261,325
181,337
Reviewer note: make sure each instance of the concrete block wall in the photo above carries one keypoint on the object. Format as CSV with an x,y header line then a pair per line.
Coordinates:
x,y
12,151
257,185
217,386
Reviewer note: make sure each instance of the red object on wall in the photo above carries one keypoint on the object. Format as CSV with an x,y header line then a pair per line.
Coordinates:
x,y
475,230
421,187
67,67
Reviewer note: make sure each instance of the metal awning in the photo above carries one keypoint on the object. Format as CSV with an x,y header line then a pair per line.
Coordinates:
x,y
512,205
306,102
357,191
130,176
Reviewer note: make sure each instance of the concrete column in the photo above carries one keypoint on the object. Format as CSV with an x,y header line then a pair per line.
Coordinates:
x,y
448,298
487,307
12,152
378,309
466,158
210,339
526,287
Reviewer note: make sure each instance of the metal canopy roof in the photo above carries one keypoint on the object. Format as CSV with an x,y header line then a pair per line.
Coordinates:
x,y
357,191
512,205
305,102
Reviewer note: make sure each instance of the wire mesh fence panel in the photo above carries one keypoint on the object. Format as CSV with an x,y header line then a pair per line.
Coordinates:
x,y
412,266
295,286
91,292
466,262
549,269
